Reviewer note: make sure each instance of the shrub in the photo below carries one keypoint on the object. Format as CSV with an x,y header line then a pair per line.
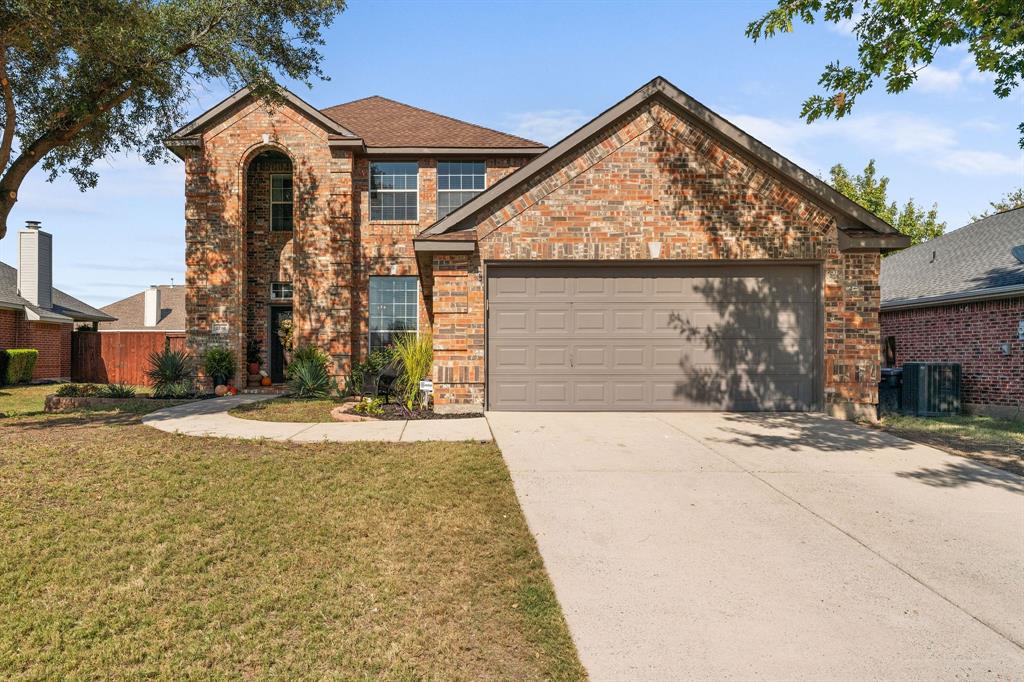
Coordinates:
x,y
415,355
308,379
369,406
311,353
362,371
185,388
16,365
78,390
219,364
169,367
254,352
118,391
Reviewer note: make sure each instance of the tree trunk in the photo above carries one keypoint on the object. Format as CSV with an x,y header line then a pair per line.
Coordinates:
x,y
8,198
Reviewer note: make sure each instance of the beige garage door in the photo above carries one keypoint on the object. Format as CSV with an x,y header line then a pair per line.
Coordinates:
x,y
646,337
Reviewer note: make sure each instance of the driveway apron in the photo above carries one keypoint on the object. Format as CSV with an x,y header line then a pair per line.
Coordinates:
x,y
744,546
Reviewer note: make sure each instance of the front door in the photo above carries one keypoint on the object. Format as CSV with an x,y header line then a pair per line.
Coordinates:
x,y
278,314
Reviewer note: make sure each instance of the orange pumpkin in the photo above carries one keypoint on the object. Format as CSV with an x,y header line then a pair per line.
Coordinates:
x,y
220,390
265,381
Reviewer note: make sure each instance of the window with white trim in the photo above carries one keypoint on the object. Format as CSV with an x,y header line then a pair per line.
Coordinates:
x,y
394,308
280,291
281,204
393,188
457,183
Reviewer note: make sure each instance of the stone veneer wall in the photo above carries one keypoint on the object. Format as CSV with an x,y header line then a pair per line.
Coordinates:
x,y
654,176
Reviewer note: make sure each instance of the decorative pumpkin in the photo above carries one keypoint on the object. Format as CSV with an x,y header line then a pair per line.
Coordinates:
x,y
265,381
233,390
220,390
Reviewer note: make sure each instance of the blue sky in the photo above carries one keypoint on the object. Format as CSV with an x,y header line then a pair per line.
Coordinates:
x,y
541,70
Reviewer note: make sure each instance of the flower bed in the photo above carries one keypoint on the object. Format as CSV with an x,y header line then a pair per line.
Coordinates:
x,y
394,412
57,403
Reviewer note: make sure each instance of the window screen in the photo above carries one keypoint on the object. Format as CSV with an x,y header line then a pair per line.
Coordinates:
x,y
457,183
393,187
393,308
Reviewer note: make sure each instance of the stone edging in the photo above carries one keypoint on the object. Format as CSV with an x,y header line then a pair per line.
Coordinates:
x,y
59,403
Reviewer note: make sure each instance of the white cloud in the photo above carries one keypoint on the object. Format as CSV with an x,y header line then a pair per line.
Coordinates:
x,y
547,126
934,79
845,26
924,140
977,162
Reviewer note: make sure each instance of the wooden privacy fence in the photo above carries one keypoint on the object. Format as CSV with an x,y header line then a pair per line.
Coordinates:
x,y
118,357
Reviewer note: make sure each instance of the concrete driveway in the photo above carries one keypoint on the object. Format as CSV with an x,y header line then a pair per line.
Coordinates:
x,y
731,546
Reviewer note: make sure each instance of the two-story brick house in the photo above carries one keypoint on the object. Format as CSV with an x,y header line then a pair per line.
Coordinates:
x,y
657,258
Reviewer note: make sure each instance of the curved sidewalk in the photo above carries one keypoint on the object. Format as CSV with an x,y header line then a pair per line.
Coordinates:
x,y
211,418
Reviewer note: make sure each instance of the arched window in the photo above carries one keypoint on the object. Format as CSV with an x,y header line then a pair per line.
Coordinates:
x,y
277,169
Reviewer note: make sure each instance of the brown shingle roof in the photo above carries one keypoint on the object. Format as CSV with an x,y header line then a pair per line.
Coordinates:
x,y
130,312
383,122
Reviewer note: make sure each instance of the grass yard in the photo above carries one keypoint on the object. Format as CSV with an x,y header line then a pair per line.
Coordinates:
x,y
21,400
999,442
287,410
130,552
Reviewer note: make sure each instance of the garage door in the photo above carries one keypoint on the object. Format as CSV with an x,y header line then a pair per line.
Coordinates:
x,y
644,337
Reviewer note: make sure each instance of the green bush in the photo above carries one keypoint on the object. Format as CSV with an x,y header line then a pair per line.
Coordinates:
x,y
307,353
78,390
309,379
369,406
169,367
415,355
219,364
185,388
16,365
118,391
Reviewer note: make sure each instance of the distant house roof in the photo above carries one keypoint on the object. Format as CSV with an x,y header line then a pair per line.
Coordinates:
x,y
130,312
982,260
383,122
65,308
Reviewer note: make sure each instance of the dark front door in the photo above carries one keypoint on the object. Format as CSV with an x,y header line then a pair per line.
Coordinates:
x,y
278,314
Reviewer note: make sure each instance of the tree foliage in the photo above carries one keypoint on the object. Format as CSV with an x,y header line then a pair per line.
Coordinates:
x,y
898,38
872,192
84,79
1009,201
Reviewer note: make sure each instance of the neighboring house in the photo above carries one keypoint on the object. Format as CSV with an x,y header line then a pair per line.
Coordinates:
x,y
34,314
658,258
146,322
960,298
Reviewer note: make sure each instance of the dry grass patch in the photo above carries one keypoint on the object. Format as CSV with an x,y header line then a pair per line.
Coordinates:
x,y
997,442
287,410
130,552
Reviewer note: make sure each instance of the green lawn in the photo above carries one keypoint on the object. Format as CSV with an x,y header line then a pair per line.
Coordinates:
x,y
287,410
999,442
129,552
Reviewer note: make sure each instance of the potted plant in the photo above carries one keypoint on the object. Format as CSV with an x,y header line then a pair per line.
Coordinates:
x,y
254,356
219,365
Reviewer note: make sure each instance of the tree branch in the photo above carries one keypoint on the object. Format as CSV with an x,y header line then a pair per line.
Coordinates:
x,y
7,141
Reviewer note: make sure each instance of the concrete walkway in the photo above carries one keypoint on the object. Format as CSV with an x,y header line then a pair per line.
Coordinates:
x,y
730,546
211,418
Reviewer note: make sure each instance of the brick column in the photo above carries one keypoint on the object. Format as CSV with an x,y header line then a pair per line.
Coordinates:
x,y
458,308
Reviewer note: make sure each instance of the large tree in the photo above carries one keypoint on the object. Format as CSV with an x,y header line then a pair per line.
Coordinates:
x,y
898,38
1009,201
83,79
872,192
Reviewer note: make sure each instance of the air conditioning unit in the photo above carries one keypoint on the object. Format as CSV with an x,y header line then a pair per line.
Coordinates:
x,y
931,389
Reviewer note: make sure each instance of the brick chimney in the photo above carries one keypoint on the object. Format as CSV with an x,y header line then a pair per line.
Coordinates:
x,y
35,265
151,312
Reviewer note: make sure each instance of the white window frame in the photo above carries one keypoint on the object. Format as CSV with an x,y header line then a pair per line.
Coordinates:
x,y
281,202
415,191
369,313
437,205
291,290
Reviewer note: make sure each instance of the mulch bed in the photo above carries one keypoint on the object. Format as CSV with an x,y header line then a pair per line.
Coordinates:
x,y
396,412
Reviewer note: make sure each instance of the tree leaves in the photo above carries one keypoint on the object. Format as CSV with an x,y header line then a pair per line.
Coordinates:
x,y
898,38
92,78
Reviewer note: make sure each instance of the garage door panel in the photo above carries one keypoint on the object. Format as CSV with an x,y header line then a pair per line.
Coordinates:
x,y
741,337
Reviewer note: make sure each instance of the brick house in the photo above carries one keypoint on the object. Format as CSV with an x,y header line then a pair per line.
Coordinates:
x,y
960,298
35,314
656,258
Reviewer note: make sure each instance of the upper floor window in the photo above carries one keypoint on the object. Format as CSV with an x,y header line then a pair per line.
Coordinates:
x,y
281,204
393,187
457,183
281,291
